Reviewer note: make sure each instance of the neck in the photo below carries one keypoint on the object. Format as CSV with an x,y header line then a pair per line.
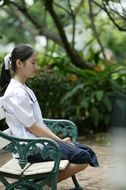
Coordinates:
x,y
18,78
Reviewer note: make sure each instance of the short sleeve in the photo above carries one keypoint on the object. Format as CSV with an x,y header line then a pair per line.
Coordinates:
x,y
21,107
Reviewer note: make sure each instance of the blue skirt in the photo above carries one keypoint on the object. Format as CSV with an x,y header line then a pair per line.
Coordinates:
x,y
77,154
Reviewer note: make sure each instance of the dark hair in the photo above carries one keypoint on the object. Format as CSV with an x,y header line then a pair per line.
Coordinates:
x,y
21,52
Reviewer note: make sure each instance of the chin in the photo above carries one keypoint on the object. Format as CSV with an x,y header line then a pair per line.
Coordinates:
x,y
33,75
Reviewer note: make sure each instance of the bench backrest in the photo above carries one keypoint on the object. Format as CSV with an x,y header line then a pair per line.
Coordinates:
x,y
4,142
2,111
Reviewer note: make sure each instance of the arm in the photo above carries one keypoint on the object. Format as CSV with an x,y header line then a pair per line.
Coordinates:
x,y
45,132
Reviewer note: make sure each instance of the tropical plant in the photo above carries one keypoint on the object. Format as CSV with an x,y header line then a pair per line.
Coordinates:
x,y
50,86
91,96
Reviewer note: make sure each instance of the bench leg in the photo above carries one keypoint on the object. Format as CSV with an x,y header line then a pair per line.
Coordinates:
x,y
4,181
77,186
22,186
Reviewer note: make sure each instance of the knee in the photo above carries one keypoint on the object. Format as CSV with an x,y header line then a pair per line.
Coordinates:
x,y
81,166
84,166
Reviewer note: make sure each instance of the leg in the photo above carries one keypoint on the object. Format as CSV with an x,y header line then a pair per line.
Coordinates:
x,y
71,170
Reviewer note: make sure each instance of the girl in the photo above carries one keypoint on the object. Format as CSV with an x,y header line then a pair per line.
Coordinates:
x,y
23,114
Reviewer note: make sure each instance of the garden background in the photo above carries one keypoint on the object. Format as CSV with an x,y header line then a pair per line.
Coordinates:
x,y
81,56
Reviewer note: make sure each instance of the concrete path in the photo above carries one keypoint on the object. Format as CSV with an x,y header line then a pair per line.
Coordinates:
x,y
91,178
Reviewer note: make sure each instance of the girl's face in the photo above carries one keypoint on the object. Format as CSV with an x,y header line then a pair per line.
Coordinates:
x,y
28,68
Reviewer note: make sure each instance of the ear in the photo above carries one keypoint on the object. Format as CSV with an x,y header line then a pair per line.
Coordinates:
x,y
18,63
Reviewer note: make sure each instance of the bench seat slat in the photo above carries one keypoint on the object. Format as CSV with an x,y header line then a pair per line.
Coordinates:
x,y
44,167
12,167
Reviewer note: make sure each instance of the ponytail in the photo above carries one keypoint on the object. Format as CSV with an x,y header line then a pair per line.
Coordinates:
x,y
5,74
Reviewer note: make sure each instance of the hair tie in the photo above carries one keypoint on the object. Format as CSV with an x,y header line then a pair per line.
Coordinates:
x,y
7,61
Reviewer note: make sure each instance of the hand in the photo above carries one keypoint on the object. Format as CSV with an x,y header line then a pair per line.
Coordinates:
x,y
67,140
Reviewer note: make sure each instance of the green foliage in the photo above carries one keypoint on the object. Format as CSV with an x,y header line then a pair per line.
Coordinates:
x,y
115,42
51,57
65,91
12,27
91,95
50,86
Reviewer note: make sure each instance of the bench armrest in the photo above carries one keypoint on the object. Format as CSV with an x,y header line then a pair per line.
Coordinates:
x,y
62,128
48,148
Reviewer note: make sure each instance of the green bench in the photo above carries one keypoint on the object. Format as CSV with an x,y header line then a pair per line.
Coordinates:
x,y
27,176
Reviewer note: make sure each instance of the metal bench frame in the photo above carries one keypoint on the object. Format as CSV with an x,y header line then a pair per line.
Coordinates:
x,y
24,147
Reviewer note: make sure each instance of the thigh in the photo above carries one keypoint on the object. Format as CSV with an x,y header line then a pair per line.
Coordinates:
x,y
78,154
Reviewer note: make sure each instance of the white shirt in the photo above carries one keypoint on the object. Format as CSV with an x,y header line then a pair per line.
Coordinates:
x,y
22,109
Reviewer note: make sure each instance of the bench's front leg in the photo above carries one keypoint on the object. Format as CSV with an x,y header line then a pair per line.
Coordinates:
x,y
76,183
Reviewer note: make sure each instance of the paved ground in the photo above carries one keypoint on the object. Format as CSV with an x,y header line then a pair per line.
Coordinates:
x,y
91,178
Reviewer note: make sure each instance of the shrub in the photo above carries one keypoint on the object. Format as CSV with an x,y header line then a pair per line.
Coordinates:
x,y
92,95
50,86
